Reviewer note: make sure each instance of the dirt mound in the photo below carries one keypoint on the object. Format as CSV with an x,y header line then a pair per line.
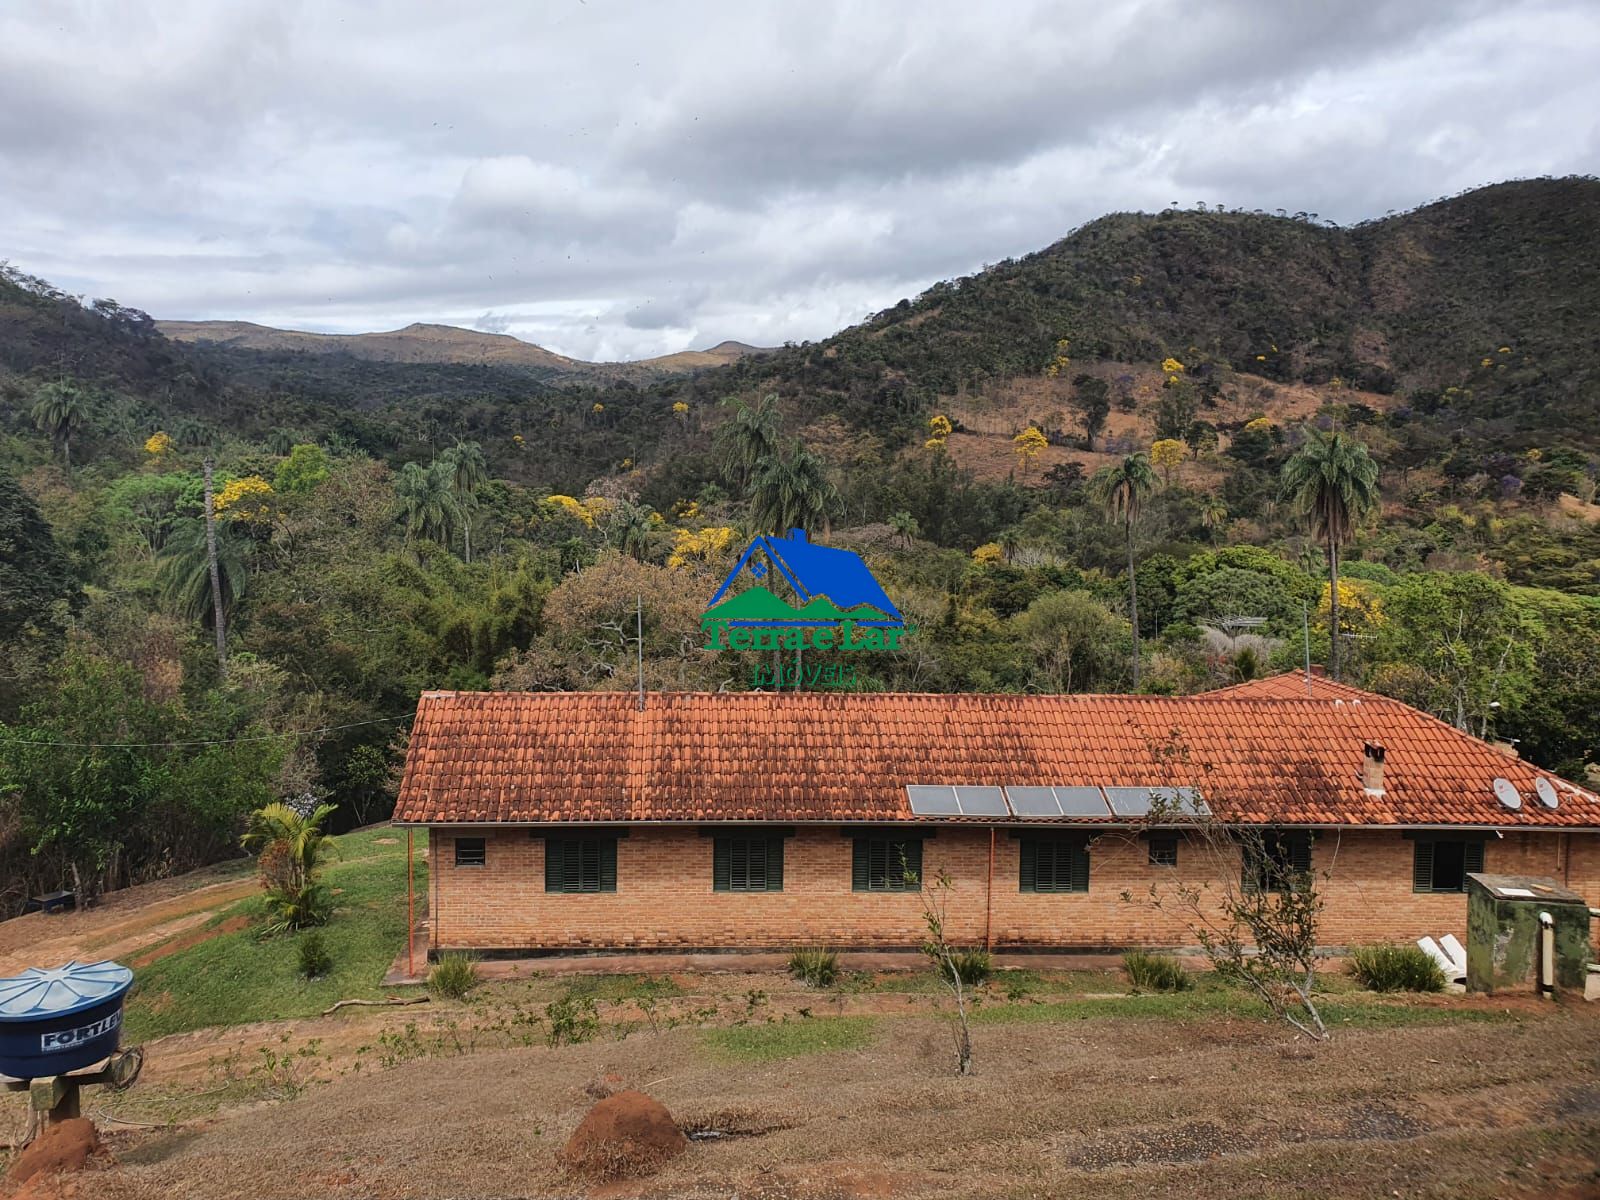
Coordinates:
x,y
64,1146
626,1134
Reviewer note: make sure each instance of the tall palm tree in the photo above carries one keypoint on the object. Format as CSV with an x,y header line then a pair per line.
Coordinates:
x,y
749,440
792,491
59,411
905,528
427,501
469,471
185,571
1214,516
1332,483
1120,489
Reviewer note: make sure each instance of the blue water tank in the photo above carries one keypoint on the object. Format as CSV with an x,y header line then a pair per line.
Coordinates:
x,y
61,1019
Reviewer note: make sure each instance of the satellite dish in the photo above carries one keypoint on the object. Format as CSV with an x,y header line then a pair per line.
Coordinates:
x,y
1506,792
1547,792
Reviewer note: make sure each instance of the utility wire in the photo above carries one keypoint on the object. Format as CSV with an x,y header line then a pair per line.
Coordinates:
x,y
262,737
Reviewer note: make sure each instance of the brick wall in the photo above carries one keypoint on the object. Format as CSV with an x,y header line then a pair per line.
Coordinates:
x,y
664,896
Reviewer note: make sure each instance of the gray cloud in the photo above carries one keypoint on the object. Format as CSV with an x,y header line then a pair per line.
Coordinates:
x,y
617,180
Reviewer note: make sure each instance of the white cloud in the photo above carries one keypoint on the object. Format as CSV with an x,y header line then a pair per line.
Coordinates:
x,y
617,180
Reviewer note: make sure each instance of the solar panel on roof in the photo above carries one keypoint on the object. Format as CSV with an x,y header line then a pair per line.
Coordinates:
x,y
1179,802
933,801
1034,801
1129,801
1081,802
982,802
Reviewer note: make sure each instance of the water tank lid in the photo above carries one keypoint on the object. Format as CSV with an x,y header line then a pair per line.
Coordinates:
x,y
41,992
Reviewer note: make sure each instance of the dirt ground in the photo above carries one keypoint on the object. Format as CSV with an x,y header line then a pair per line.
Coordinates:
x,y
124,922
429,1102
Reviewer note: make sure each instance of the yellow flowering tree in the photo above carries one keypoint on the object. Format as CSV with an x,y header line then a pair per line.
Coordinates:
x,y
158,444
1172,368
1062,360
1167,454
1360,608
680,409
576,509
250,500
694,547
939,428
1028,445
989,553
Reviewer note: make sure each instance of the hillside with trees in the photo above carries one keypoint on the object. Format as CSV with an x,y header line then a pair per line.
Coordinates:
x,y
1166,453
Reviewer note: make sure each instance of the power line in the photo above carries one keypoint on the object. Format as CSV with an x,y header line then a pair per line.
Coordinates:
x,y
263,737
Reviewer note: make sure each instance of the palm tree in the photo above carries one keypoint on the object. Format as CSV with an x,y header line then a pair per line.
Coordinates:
x,y
1120,489
1332,483
792,491
428,501
905,528
59,411
1213,516
749,440
629,528
469,471
290,846
185,572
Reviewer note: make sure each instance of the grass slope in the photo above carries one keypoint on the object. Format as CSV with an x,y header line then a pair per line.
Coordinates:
x,y
238,977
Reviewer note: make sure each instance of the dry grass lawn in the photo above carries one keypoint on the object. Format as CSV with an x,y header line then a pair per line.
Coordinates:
x,y
1073,1097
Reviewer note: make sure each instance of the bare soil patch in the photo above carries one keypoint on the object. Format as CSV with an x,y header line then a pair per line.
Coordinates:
x,y
63,1146
1098,1106
183,941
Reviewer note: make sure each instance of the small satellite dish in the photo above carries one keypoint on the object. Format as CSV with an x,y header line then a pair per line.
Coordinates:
x,y
1506,792
1547,792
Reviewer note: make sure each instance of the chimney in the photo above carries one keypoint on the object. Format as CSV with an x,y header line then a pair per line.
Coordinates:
x,y
1372,768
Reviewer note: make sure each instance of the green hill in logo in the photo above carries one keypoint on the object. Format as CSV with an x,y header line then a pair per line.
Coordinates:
x,y
822,608
757,604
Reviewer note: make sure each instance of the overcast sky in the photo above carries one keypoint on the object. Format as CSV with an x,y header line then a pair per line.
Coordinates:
x,y
619,180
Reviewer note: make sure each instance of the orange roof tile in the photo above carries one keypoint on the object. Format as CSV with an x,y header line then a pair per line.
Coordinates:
x,y
524,757
1291,685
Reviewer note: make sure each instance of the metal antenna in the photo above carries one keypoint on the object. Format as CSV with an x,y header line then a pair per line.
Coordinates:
x,y
638,641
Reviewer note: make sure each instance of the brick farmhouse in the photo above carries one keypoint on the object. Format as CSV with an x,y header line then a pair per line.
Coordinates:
x,y
579,821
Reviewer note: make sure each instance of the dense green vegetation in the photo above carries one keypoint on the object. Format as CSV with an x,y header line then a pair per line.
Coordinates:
x,y
386,528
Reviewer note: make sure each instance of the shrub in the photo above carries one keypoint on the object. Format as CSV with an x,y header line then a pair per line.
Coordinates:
x,y
573,1019
315,961
1391,968
973,966
1155,972
304,907
814,967
454,975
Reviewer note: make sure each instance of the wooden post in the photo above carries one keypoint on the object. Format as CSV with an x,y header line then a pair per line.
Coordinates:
x,y
411,924
55,1098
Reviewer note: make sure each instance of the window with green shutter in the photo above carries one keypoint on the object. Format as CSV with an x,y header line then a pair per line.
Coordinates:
x,y
747,864
1054,865
471,852
1275,859
1442,864
886,864
580,864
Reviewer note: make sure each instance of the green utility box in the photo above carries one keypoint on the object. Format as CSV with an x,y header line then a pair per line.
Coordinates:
x,y
1503,932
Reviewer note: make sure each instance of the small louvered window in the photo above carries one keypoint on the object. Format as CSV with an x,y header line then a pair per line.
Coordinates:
x,y
470,852
1443,864
586,864
747,864
886,864
1276,860
1054,865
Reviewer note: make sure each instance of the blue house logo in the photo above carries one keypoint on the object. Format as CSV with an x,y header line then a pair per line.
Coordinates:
x,y
836,604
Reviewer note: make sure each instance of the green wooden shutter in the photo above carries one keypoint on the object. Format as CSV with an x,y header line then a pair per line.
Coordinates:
x,y
860,867
608,865
1472,860
775,864
1028,876
1300,853
1079,881
721,865
1422,867
554,875
911,852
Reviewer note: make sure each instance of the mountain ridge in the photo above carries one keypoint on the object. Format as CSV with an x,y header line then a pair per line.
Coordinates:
x,y
432,342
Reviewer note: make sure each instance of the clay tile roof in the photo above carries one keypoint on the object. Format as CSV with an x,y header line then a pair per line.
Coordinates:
x,y
523,757
1291,685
